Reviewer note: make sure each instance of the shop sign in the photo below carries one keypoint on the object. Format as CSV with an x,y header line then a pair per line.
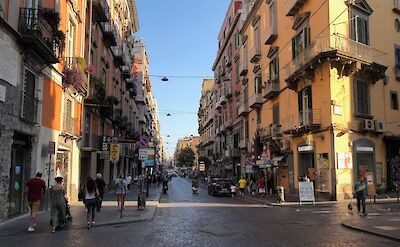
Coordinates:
x,y
365,149
202,166
148,163
344,160
305,148
104,155
114,152
249,169
306,192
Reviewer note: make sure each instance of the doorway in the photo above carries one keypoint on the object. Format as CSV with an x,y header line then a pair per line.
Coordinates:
x,y
16,180
306,164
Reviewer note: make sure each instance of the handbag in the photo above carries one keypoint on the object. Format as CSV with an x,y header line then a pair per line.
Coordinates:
x,y
81,196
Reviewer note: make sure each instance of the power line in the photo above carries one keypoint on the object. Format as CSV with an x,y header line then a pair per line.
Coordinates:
x,y
183,76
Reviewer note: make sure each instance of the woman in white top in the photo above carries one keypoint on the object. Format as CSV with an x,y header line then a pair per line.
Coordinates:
x,y
91,194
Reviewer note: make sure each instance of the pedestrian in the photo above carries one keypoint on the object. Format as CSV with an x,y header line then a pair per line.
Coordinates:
x,y
101,187
58,204
91,192
261,186
121,189
129,181
360,188
242,186
270,182
159,178
253,187
233,190
35,188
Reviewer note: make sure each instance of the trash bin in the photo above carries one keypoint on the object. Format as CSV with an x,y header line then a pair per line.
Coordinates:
x,y
281,194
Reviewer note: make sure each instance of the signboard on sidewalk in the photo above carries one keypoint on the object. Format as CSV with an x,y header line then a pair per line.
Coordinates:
x,y
306,192
114,152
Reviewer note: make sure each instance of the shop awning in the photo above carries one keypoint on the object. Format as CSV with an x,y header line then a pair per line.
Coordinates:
x,y
279,158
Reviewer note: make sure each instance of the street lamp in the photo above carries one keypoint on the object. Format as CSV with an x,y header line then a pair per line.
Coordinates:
x,y
164,78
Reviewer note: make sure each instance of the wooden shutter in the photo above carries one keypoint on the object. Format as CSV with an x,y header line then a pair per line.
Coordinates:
x,y
294,47
275,114
300,100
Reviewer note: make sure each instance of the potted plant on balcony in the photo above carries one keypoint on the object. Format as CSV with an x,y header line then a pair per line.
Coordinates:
x,y
73,77
51,17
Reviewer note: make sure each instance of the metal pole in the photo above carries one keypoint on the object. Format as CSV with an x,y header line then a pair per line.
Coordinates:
x,y
48,183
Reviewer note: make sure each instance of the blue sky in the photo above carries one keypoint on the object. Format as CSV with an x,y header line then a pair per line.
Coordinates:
x,y
181,39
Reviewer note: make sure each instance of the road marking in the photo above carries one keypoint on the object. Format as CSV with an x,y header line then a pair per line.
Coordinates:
x,y
387,228
395,219
322,212
374,214
199,204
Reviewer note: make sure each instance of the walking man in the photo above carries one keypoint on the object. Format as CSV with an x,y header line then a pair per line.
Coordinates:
x,y
35,188
360,188
242,186
101,187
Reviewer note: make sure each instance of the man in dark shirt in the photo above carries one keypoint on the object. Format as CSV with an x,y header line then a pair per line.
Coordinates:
x,y
35,187
101,186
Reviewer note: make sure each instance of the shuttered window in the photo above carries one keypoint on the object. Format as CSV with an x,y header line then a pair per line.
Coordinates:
x,y
362,97
300,41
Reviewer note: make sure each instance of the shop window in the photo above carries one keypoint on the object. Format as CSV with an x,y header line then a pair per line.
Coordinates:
x,y
362,103
394,101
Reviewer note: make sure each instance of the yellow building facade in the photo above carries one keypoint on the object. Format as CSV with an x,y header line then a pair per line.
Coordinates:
x,y
319,79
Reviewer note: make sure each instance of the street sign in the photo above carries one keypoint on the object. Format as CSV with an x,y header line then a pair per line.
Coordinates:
x,y
104,155
148,163
114,152
143,154
143,142
150,151
52,147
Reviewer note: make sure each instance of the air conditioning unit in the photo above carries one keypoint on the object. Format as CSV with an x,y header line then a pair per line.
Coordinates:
x,y
368,124
380,126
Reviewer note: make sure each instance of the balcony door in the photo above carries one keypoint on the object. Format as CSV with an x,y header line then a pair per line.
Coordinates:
x,y
70,51
305,106
31,4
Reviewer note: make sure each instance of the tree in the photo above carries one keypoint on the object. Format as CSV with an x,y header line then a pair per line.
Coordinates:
x,y
186,157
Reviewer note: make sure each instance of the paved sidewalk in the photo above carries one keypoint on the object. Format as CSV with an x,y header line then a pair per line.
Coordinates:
x,y
109,214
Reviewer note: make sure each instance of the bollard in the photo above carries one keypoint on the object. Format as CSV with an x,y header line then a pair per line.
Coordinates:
x,y
281,194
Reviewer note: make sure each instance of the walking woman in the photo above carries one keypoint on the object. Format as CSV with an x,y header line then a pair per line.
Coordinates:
x,y
58,204
91,192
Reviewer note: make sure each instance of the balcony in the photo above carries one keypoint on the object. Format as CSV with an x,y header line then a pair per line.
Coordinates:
x,y
243,110
271,89
293,6
229,62
243,144
243,68
69,125
109,34
276,131
301,122
129,83
272,35
256,56
75,75
101,11
126,71
118,53
139,99
39,35
347,55
222,128
256,101
229,124
222,100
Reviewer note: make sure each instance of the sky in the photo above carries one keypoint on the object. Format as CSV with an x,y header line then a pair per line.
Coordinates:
x,y
181,40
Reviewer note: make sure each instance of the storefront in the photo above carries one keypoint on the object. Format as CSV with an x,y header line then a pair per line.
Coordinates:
x,y
364,158
306,160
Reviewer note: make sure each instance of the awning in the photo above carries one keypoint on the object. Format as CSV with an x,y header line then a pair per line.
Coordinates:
x,y
279,158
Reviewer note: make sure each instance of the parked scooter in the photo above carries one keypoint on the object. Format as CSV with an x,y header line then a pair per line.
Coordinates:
x,y
194,189
195,185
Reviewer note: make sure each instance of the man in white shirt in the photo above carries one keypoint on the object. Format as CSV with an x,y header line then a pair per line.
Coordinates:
x,y
129,181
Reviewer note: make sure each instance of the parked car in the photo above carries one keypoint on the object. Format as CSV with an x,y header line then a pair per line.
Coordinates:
x,y
219,186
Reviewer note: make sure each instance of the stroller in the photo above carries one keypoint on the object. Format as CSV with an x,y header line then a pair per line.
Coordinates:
x,y
68,216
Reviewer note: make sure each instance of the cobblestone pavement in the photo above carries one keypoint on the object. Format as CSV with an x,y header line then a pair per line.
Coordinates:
x,y
184,219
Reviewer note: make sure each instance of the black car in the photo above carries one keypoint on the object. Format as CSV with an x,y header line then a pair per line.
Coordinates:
x,y
220,186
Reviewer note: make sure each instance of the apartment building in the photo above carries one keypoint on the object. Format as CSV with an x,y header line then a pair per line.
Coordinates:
x,y
110,112
322,86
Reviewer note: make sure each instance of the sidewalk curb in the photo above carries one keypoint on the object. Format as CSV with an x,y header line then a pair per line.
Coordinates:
x,y
346,225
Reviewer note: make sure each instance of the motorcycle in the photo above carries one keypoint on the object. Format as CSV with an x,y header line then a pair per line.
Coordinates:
x,y
165,188
194,189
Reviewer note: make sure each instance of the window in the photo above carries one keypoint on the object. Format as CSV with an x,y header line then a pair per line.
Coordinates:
x,y
2,9
359,21
258,84
237,72
274,68
29,103
245,56
397,60
272,15
70,52
258,116
275,114
305,99
394,100
257,44
237,39
362,97
300,41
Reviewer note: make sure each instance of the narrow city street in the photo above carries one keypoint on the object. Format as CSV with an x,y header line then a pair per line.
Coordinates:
x,y
184,219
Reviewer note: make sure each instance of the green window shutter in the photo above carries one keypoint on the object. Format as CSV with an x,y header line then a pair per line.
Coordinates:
x,y
293,47
307,39
300,100
309,94
277,68
255,84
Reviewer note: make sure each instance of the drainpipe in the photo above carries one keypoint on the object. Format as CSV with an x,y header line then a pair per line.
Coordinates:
x,y
332,134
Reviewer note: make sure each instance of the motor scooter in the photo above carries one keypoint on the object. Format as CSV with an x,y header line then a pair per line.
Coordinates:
x,y
194,189
165,187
